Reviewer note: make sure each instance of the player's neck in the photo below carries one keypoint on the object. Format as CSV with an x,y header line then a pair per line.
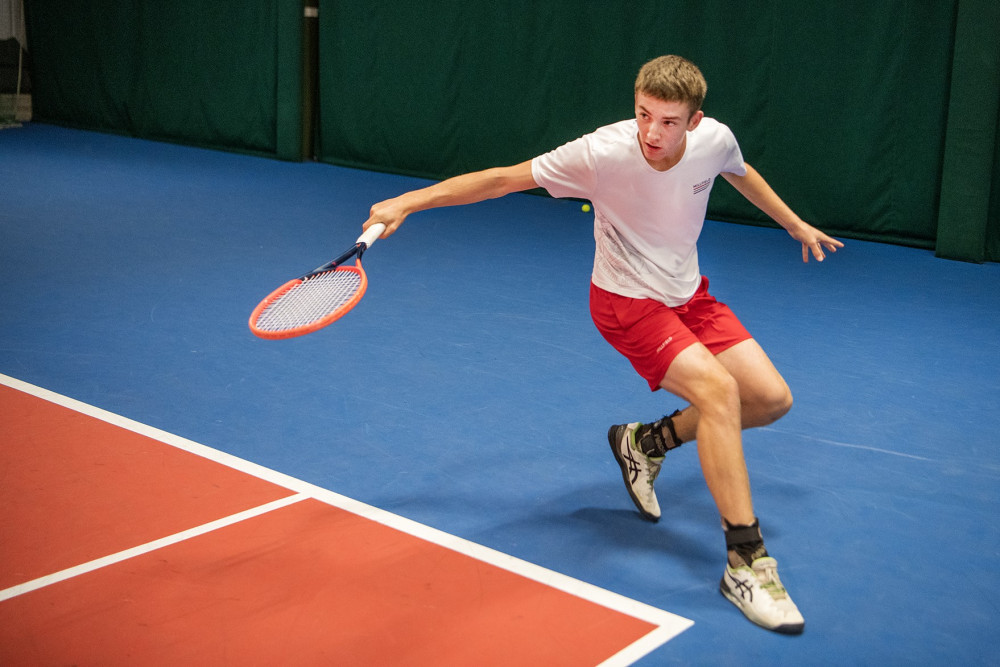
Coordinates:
x,y
669,161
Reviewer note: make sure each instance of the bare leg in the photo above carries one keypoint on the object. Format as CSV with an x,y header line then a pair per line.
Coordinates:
x,y
764,396
736,389
702,380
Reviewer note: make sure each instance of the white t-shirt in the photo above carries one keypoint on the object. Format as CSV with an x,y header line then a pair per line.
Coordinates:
x,y
646,222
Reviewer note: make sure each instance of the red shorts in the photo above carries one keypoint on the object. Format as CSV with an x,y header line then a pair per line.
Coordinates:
x,y
651,335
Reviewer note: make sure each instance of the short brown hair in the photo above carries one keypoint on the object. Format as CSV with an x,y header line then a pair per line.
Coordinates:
x,y
673,79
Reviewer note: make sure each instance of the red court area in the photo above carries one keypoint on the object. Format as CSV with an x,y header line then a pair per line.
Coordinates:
x,y
299,583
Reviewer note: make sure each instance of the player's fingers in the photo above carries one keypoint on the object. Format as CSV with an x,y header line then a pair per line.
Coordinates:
x,y
375,218
368,223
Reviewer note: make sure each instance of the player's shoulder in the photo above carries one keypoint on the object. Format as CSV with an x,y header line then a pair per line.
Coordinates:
x,y
712,134
711,128
623,126
606,136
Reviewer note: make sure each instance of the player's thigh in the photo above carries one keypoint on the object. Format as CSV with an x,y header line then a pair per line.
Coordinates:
x,y
697,376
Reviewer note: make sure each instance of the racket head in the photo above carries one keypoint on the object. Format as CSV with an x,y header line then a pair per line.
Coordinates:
x,y
305,305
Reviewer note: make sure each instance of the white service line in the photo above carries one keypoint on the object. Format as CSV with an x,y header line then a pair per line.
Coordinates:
x,y
104,561
670,625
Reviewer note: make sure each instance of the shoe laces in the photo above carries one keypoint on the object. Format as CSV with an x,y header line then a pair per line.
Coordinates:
x,y
654,468
653,464
767,575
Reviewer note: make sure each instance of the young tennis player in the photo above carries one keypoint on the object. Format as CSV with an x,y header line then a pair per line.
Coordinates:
x,y
649,179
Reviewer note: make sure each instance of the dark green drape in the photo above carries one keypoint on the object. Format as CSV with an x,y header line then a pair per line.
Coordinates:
x,y
969,219
873,119
842,106
221,74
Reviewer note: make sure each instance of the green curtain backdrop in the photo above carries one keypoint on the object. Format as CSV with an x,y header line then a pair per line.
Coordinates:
x,y
969,220
223,74
842,106
874,119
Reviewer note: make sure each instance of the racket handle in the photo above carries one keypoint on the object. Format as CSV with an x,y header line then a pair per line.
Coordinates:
x,y
371,234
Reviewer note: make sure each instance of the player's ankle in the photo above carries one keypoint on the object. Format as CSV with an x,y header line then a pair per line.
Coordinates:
x,y
658,438
744,543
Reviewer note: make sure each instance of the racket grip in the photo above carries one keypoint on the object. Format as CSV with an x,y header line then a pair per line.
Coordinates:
x,y
371,234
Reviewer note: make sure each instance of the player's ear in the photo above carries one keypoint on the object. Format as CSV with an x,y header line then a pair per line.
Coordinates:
x,y
695,119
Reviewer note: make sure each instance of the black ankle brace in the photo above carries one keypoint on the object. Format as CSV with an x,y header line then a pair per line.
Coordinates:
x,y
745,541
651,437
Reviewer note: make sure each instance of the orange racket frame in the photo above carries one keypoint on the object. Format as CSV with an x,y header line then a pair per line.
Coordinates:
x,y
331,281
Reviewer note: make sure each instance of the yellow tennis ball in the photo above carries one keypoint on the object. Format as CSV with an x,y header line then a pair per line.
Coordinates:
x,y
585,208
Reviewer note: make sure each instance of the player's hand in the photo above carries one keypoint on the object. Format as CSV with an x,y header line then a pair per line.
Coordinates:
x,y
814,241
390,213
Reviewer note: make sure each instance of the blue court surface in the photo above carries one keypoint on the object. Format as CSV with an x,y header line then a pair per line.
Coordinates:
x,y
470,392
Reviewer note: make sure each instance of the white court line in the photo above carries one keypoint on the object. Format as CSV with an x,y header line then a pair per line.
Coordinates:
x,y
104,561
670,625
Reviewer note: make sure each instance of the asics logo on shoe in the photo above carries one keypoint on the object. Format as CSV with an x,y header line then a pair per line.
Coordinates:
x,y
638,471
741,587
772,609
633,464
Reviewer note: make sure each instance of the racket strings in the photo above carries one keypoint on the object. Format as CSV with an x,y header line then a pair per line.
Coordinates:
x,y
310,301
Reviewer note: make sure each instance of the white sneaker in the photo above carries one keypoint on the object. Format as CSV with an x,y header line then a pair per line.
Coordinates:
x,y
638,470
757,591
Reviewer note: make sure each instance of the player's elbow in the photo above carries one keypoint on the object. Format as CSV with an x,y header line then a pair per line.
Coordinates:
x,y
516,178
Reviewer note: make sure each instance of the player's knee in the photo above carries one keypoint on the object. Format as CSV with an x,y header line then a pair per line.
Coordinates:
x,y
784,404
777,403
720,391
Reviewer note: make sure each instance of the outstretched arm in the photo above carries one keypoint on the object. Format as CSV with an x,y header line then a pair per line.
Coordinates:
x,y
464,189
755,188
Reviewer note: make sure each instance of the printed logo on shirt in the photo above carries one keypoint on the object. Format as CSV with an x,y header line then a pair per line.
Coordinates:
x,y
701,187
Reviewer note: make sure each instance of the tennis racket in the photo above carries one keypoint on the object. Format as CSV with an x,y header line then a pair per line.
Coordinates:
x,y
322,296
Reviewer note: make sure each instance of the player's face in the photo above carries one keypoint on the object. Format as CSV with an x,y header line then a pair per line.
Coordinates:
x,y
663,128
